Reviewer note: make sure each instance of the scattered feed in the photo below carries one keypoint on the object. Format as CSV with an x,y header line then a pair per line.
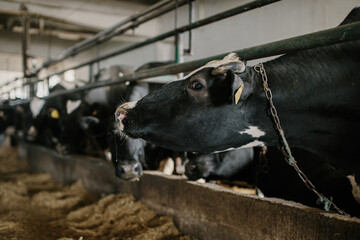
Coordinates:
x,y
33,206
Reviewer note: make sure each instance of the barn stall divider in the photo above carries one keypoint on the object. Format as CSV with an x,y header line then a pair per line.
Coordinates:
x,y
205,210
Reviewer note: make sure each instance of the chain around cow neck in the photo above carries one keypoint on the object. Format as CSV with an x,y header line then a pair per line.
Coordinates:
x,y
285,148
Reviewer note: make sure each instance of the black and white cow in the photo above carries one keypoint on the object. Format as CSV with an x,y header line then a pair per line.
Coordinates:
x,y
269,172
44,119
315,92
131,156
15,122
89,118
222,165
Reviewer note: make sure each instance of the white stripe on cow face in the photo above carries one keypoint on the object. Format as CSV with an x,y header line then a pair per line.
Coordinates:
x,y
253,131
36,105
72,106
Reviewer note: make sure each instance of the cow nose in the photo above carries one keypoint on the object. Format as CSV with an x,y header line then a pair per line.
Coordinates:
x,y
191,172
129,171
192,168
120,114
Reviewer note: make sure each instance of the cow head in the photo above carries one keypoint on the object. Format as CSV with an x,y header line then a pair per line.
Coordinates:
x,y
219,165
128,156
193,114
201,166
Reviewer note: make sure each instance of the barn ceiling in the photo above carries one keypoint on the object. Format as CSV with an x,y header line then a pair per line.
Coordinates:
x,y
67,19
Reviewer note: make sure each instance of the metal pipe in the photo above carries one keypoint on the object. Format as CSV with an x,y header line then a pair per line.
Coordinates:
x,y
98,53
70,51
117,32
25,42
229,13
343,33
134,25
177,40
145,19
189,50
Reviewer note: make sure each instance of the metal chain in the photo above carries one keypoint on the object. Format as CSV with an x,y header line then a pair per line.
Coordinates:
x,y
285,148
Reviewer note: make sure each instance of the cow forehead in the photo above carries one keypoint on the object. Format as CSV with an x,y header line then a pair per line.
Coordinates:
x,y
229,59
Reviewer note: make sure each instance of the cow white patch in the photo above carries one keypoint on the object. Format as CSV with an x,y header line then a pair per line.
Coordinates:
x,y
253,131
225,150
36,105
355,188
72,106
108,155
255,143
32,133
169,166
201,180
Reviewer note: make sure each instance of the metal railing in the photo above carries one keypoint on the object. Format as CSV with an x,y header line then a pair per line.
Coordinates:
x,y
115,30
118,29
101,37
325,37
200,23
334,35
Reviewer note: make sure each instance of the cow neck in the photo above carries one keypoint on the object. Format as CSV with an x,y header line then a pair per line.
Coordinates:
x,y
283,143
251,112
259,68
256,106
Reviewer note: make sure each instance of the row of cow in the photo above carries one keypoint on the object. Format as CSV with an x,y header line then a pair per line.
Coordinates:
x,y
84,124
206,112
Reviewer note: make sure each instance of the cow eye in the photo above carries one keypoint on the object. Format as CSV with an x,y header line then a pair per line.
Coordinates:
x,y
197,86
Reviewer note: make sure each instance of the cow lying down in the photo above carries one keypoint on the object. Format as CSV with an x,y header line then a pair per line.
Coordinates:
x,y
315,92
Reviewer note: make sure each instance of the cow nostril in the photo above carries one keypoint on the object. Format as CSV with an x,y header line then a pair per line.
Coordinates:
x,y
192,168
119,117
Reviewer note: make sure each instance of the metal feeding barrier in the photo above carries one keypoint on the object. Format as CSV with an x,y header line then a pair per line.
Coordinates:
x,y
334,35
130,23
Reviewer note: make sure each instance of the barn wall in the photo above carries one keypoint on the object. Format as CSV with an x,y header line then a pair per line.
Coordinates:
x,y
273,22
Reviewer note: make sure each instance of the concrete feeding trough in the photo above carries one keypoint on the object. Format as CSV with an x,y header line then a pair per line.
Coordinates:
x,y
205,211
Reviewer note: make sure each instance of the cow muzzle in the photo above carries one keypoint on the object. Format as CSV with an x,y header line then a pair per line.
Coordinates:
x,y
129,171
121,113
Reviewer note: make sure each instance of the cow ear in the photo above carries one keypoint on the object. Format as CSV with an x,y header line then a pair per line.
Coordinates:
x,y
54,113
236,67
237,86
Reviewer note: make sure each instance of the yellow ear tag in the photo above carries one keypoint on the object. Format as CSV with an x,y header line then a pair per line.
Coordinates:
x,y
238,94
94,113
55,114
